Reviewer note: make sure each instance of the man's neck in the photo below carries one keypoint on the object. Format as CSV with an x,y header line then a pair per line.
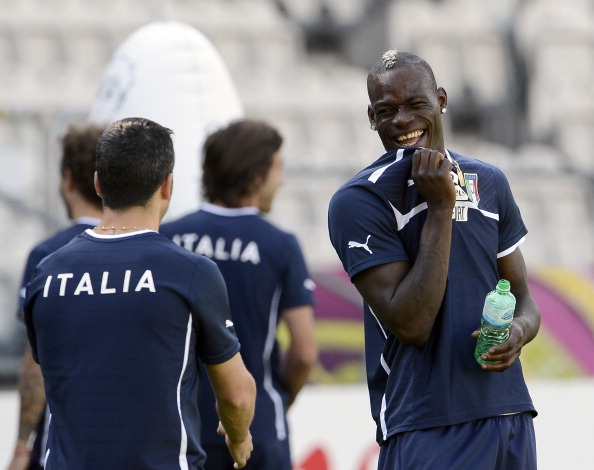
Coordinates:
x,y
90,213
125,221
79,207
246,201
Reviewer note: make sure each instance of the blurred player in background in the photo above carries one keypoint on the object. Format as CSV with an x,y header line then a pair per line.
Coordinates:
x,y
266,277
423,250
83,207
120,317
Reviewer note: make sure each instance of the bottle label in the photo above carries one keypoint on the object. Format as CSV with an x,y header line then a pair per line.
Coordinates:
x,y
497,317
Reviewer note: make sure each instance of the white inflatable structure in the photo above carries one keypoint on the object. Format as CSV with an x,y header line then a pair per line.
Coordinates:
x,y
171,73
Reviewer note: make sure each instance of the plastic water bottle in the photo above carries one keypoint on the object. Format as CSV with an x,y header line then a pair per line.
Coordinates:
x,y
498,314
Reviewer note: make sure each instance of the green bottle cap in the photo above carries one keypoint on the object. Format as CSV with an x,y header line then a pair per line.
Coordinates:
x,y
503,286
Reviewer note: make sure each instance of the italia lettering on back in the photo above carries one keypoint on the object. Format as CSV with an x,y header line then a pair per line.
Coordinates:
x,y
220,248
68,285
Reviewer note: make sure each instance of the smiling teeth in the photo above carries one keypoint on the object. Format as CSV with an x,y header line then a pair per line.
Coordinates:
x,y
411,135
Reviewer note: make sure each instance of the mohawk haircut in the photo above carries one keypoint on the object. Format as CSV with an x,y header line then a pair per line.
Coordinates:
x,y
392,59
389,58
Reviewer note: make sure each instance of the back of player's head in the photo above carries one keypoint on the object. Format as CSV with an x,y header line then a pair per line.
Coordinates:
x,y
79,144
134,156
393,59
236,160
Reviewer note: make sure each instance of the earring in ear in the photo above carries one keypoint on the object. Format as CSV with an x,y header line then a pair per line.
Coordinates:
x,y
444,110
372,126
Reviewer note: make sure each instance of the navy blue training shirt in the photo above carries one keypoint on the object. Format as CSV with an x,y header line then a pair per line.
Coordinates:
x,y
376,218
265,272
118,324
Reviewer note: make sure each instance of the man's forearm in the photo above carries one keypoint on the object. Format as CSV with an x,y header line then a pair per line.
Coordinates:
x,y
32,396
295,375
420,294
236,416
527,314
302,352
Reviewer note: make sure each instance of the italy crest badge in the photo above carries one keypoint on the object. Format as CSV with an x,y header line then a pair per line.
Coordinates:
x,y
471,180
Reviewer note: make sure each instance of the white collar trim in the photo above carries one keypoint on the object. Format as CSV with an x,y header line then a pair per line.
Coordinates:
x,y
117,235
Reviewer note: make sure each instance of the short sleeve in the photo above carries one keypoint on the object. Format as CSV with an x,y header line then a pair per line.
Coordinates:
x,y
32,291
35,256
216,338
297,285
511,226
362,229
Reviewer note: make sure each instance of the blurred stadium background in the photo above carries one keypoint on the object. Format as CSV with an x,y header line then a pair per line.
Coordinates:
x,y
520,80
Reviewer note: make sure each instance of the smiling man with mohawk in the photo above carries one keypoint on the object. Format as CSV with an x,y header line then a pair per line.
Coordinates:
x,y
433,249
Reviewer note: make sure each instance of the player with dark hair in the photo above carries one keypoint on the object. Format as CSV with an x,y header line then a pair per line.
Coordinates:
x,y
119,318
266,277
424,234
83,207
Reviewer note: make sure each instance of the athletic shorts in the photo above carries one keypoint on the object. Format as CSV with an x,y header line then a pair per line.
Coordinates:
x,y
500,443
274,455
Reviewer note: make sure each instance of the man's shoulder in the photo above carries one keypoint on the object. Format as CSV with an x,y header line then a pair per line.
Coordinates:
x,y
179,255
165,247
398,161
52,244
266,226
472,162
147,248
59,239
173,226
388,175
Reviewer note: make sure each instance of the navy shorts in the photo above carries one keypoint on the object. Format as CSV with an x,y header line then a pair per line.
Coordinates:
x,y
498,443
274,455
